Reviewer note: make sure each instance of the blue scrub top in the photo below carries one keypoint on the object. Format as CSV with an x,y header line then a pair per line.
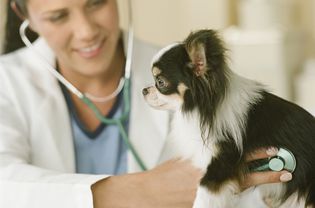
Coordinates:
x,y
103,150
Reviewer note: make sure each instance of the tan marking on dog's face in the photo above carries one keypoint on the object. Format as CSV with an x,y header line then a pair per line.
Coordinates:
x,y
156,71
182,89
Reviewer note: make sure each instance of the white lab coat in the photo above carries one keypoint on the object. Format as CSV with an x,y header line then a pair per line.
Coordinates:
x,y
37,161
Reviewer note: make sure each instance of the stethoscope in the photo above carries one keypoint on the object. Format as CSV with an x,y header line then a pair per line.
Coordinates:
x,y
124,84
283,160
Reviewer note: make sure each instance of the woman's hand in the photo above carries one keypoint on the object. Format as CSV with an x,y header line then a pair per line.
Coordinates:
x,y
257,178
172,184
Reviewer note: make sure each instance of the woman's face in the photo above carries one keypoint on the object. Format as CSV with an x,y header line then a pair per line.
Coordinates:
x,y
82,33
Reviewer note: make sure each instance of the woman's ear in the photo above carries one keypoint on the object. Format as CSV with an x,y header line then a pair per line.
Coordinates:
x,y
17,10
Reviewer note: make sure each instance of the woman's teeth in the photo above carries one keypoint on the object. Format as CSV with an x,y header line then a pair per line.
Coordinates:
x,y
92,48
91,51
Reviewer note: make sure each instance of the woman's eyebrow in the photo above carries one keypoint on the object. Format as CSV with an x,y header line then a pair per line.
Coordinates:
x,y
94,1
54,11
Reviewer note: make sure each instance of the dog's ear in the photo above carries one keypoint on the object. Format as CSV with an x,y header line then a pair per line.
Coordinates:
x,y
206,51
197,55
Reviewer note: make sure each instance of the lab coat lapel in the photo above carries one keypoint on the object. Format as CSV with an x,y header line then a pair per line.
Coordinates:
x,y
54,110
60,144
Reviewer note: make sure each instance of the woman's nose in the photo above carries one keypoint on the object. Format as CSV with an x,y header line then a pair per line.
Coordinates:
x,y
86,29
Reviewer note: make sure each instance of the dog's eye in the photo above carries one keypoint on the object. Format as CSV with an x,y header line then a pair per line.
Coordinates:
x,y
160,82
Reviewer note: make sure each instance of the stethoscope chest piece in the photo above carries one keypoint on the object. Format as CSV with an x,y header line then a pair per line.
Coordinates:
x,y
283,160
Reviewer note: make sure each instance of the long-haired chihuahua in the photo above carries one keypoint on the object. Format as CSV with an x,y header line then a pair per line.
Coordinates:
x,y
219,117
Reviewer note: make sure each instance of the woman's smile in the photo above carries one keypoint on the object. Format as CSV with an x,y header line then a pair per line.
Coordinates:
x,y
91,51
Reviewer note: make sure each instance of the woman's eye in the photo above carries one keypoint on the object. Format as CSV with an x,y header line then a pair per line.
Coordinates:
x,y
94,3
57,17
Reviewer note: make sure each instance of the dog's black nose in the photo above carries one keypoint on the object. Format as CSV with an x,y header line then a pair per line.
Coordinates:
x,y
145,91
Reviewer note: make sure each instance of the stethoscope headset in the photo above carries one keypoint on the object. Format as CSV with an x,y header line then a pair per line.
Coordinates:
x,y
124,84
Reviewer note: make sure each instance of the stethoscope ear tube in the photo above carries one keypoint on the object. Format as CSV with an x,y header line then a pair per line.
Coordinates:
x,y
45,63
129,51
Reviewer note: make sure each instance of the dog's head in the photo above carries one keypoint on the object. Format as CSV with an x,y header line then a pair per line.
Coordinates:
x,y
189,75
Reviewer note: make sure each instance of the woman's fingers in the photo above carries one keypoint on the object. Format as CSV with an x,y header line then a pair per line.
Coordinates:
x,y
258,178
264,177
261,153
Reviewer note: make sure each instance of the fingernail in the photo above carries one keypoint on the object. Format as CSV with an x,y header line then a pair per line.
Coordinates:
x,y
272,151
286,177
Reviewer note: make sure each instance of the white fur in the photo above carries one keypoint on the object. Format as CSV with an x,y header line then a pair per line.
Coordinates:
x,y
272,194
293,202
157,56
225,198
232,113
202,198
186,142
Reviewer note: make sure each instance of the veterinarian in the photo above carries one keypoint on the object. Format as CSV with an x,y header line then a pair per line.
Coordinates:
x,y
54,151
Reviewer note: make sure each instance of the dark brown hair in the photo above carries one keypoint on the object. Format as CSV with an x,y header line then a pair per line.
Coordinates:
x,y
21,5
12,37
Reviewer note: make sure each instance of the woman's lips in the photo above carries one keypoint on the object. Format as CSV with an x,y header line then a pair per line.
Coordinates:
x,y
91,51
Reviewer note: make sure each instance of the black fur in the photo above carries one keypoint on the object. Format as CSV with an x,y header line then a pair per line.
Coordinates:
x,y
276,122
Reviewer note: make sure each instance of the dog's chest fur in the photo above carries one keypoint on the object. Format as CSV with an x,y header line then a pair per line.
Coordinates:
x,y
186,141
185,136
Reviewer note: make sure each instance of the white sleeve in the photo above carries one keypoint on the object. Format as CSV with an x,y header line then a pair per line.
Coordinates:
x,y
23,185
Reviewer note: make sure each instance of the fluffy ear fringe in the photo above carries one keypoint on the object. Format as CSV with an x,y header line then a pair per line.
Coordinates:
x,y
197,55
205,50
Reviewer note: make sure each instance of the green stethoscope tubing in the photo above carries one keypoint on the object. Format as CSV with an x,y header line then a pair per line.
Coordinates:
x,y
118,121
126,89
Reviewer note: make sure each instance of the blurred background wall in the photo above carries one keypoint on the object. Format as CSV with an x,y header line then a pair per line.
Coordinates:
x,y
162,21
271,41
